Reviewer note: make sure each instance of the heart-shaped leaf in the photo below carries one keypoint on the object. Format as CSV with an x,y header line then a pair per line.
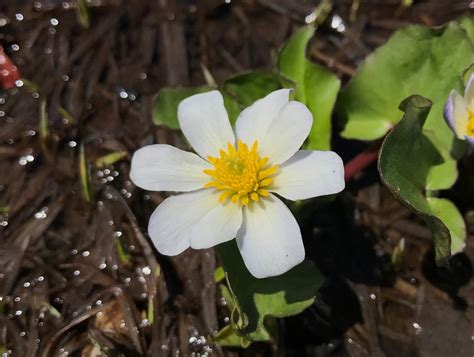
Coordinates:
x,y
416,60
315,86
257,300
405,160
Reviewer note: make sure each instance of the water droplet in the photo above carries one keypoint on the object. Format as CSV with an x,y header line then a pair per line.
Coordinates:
x,y
19,83
3,21
65,77
373,296
418,328
17,299
102,266
310,18
31,133
42,214
72,144
15,47
143,75
26,285
123,94
54,21
19,16
26,159
85,253
41,278
117,234
146,270
37,5
18,312
77,272
98,302
52,31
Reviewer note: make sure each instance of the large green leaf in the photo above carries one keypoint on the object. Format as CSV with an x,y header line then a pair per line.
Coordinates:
x,y
315,86
165,107
256,301
248,87
416,60
405,160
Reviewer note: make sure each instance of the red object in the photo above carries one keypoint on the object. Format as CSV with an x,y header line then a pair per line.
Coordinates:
x,y
9,73
360,162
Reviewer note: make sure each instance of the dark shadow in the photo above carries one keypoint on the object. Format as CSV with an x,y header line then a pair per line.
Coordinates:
x,y
457,273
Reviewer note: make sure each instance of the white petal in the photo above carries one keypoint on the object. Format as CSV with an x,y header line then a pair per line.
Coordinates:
x,y
287,132
469,92
171,223
254,121
457,114
205,123
270,239
310,174
166,168
218,226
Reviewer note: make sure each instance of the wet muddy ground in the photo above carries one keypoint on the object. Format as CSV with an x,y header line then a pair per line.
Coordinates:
x,y
77,272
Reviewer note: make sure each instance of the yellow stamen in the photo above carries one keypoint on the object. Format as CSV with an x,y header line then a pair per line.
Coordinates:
x,y
470,124
241,174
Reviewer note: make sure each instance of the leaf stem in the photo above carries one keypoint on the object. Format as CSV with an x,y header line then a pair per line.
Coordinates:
x,y
361,161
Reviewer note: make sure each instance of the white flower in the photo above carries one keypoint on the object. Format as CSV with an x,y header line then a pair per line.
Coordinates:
x,y
459,112
229,187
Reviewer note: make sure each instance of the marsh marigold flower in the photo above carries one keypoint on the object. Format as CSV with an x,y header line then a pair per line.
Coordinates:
x,y
459,112
230,185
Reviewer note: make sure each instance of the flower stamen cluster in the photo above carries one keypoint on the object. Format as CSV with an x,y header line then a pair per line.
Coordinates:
x,y
241,174
470,124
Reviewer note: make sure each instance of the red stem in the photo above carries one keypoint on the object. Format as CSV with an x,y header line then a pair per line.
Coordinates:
x,y
361,161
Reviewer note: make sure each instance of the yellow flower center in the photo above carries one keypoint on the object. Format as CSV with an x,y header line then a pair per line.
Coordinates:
x,y
470,124
240,174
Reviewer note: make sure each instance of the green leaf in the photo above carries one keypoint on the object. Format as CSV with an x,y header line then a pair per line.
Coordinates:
x,y
85,176
258,300
219,274
416,60
453,219
405,160
315,86
248,87
165,106
467,23
233,108
110,159
82,13
228,338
